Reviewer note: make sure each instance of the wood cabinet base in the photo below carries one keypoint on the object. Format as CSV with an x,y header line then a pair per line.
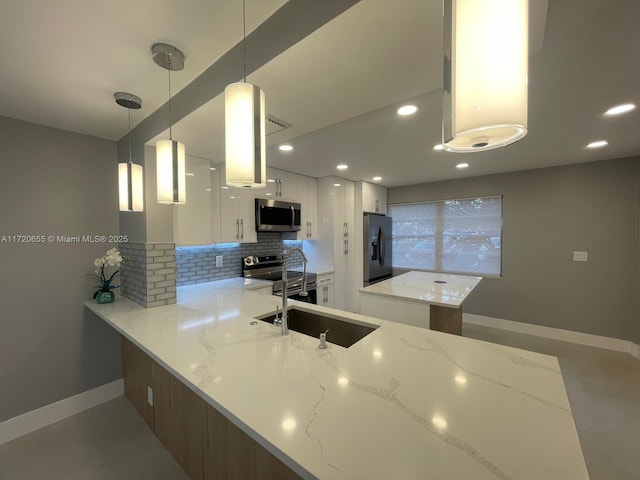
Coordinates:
x,y
445,319
203,441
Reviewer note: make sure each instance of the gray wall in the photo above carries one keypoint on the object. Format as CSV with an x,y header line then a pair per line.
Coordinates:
x,y
547,214
53,182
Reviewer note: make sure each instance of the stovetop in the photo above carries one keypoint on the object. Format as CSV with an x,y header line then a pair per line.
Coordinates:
x,y
269,267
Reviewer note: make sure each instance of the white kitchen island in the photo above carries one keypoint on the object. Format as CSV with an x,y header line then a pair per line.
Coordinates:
x,y
422,299
402,403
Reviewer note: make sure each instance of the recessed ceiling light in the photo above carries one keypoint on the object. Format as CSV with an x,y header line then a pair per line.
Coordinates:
x,y
212,169
462,165
598,144
189,174
620,109
207,189
407,110
271,180
225,187
285,148
438,147
337,184
342,166
376,179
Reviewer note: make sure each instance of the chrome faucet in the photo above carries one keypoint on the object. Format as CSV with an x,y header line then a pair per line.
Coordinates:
x,y
285,285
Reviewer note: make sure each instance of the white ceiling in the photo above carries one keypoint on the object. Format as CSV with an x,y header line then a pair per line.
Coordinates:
x,y
339,87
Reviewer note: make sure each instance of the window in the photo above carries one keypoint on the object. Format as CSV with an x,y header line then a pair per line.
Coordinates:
x,y
454,236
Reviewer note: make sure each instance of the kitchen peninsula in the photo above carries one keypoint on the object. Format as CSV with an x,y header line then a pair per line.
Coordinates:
x,y
401,403
422,299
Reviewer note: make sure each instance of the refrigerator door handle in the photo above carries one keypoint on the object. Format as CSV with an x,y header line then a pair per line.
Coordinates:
x,y
381,242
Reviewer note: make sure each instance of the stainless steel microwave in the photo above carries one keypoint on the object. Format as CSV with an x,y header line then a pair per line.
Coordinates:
x,y
277,216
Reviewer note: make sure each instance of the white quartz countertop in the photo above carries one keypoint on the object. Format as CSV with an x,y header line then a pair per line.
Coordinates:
x,y
402,403
240,282
427,287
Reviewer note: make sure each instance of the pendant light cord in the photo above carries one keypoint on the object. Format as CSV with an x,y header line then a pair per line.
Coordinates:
x,y
169,69
244,41
129,110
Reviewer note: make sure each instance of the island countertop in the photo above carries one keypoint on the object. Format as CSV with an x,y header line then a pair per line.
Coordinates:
x,y
402,403
443,289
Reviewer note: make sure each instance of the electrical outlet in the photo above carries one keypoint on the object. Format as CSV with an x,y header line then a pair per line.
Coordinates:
x,y
580,256
219,261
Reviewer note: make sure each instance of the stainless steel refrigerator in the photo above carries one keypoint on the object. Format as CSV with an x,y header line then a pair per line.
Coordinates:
x,y
377,248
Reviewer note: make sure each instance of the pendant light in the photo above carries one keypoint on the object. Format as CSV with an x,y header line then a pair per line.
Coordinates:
x,y
170,154
130,177
245,151
485,73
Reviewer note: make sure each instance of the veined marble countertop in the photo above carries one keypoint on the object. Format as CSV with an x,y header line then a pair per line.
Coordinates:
x,y
240,282
402,403
426,287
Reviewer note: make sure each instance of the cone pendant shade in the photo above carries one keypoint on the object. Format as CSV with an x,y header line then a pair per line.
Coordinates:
x,y
245,159
485,73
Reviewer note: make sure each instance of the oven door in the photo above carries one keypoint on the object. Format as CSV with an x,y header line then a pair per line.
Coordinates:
x,y
312,297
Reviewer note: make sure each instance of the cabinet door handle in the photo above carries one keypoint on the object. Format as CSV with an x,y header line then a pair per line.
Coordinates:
x,y
346,247
237,229
347,229
242,227
279,181
377,206
344,229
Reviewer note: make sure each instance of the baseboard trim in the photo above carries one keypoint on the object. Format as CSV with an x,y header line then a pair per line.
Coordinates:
x,y
608,343
49,414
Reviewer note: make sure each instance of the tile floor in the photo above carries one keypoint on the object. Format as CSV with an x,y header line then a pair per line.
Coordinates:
x,y
107,442
111,441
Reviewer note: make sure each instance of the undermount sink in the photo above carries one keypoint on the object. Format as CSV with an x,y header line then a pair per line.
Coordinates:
x,y
341,332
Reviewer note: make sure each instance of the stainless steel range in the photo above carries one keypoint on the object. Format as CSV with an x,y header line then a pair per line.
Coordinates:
x,y
269,267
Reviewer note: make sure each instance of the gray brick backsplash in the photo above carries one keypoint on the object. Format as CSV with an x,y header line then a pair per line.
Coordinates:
x,y
152,271
198,264
148,277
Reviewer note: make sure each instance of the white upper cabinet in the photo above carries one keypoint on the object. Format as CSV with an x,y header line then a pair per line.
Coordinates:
x,y
214,175
308,198
336,204
192,220
374,198
237,213
281,185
